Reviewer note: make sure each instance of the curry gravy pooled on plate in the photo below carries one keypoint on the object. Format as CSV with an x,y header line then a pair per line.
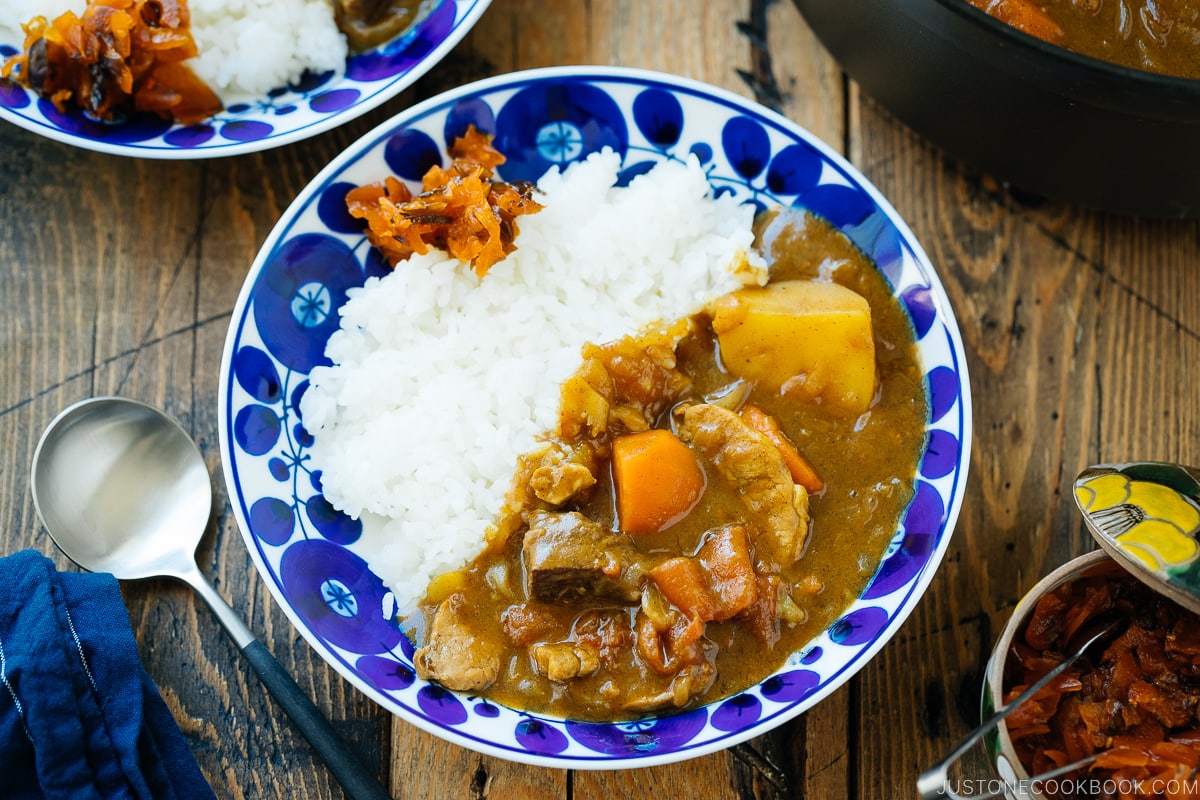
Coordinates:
x,y
717,491
640,479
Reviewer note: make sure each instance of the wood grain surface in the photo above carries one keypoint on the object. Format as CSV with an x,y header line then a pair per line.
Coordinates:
x,y
119,277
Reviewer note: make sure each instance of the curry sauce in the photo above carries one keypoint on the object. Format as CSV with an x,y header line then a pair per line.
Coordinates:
x,y
1161,36
569,613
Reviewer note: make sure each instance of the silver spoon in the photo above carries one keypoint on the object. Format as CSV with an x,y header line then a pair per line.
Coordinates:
x,y
122,488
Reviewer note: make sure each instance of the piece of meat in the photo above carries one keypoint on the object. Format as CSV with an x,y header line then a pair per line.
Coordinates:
x,y
546,477
668,648
562,661
642,369
455,655
567,557
762,618
558,483
717,584
725,556
606,631
748,460
525,624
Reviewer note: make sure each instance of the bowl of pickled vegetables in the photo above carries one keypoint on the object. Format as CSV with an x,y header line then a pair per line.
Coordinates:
x,y
1127,707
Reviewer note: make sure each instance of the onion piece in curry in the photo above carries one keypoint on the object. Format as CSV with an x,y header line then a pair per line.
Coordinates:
x,y
719,490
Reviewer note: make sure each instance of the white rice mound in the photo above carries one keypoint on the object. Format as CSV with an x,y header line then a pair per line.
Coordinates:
x,y
249,47
440,379
246,47
15,13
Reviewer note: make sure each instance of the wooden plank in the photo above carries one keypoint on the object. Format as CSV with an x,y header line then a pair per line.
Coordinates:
x,y
1053,300
809,81
1148,342
86,245
715,774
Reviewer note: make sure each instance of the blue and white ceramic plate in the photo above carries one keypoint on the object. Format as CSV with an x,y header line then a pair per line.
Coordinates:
x,y
287,114
288,308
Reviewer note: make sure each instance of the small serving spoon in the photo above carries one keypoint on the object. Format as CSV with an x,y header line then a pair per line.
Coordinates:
x,y
934,783
122,488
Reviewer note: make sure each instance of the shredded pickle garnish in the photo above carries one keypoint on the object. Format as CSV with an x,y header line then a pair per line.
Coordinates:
x,y
462,209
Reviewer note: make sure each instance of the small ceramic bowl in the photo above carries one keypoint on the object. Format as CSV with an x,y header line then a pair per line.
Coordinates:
x,y
1145,516
1001,753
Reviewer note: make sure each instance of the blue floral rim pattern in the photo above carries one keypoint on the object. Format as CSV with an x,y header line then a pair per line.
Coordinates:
x,y
312,105
288,308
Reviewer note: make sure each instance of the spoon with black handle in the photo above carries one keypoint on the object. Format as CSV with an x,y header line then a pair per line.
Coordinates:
x,y
122,488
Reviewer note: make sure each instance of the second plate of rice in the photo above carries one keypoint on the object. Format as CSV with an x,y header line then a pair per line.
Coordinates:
x,y
281,68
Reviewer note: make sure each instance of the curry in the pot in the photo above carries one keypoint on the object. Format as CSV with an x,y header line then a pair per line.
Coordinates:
x,y
720,490
1160,36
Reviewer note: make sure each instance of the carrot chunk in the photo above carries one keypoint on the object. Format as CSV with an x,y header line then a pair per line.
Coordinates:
x,y
725,555
685,584
657,480
802,471
1023,15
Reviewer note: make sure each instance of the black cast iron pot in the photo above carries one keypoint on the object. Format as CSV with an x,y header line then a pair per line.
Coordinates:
x,y
1046,120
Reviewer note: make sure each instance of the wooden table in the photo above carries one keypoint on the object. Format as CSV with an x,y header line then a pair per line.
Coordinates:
x,y
1081,330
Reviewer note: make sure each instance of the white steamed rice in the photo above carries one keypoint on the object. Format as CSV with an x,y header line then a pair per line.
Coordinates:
x,y
15,13
441,380
246,47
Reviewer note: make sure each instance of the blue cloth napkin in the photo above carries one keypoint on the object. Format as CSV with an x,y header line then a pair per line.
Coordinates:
x,y
79,716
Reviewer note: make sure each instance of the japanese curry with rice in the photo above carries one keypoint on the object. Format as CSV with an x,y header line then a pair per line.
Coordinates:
x,y
719,489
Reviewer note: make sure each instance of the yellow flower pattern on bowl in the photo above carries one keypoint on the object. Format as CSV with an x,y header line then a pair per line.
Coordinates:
x,y
1151,522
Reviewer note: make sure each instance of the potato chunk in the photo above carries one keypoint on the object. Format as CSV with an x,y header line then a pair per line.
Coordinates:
x,y
808,339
